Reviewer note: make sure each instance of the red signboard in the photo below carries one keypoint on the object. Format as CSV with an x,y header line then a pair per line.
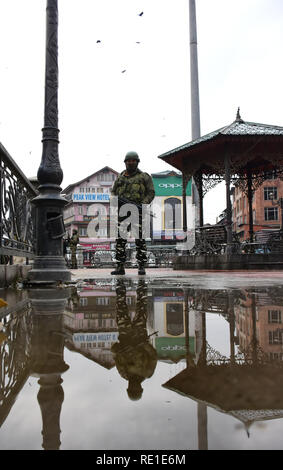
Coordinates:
x,y
91,246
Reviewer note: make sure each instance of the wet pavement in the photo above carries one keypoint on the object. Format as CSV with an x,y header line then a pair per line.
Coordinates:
x,y
209,279
170,360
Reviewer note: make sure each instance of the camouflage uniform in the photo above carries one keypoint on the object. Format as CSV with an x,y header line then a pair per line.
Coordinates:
x,y
74,240
136,188
134,356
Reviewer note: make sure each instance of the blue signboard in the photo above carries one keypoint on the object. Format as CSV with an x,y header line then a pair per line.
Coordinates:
x,y
82,197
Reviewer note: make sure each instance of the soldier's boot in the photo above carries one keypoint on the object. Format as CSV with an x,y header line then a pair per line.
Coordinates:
x,y
141,271
119,270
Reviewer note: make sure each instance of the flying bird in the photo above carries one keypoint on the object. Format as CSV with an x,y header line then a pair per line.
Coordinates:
x,y
141,13
123,71
98,41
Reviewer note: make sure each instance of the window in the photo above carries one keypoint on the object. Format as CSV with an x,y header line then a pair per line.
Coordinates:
x,y
80,210
274,316
102,232
83,301
82,190
102,301
100,190
276,356
275,337
172,213
105,177
270,193
83,231
87,190
270,213
174,319
270,175
93,190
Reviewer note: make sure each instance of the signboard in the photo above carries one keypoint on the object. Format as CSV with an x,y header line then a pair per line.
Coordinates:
x,y
170,186
173,348
93,246
89,197
94,337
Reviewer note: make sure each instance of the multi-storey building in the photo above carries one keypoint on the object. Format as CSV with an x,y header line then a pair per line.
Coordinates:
x,y
90,319
267,213
167,207
87,198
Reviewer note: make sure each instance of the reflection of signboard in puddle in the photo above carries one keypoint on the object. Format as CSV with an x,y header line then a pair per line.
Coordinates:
x,y
173,348
91,338
164,295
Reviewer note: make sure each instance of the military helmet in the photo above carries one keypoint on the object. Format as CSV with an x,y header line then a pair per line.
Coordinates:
x,y
135,389
132,156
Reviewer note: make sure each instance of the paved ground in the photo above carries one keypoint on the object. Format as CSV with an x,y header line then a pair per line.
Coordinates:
x,y
209,279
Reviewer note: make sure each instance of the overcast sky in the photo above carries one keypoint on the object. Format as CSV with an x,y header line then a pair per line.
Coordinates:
x,y
131,91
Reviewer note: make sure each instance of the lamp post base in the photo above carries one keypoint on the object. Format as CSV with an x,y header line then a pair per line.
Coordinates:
x,y
49,270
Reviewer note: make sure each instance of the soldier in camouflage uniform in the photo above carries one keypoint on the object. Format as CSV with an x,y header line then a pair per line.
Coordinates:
x,y
74,240
134,186
134,356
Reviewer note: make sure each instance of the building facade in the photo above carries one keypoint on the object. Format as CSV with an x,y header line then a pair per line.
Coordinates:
x,y
87,199
267,213
167,207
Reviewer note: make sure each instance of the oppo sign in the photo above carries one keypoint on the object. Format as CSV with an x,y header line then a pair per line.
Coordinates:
x,y
171,186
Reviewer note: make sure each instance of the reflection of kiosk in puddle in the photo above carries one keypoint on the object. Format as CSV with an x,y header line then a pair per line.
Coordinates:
x,y
247,385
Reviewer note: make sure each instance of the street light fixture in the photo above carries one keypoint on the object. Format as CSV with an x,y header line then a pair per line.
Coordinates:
x,y
49,264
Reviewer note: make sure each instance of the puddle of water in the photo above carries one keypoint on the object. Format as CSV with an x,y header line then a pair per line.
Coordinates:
x,y
141,365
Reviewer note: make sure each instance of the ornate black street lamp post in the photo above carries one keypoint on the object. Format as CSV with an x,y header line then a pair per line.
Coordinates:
x,y
49,264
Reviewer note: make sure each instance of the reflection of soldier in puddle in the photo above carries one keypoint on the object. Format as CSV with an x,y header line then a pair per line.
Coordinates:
x,y
134,356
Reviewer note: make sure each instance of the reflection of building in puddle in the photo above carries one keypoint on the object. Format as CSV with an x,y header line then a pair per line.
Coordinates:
x,y
179,326
174,331
91,321
259,318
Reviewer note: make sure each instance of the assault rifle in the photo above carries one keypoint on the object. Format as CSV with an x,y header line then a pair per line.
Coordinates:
x,y
123,200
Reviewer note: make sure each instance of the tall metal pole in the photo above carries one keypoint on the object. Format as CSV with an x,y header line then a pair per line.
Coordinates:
x,y
49,265
195,109
195,112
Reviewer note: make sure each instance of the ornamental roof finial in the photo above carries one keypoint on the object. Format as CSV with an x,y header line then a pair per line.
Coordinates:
x,y
238,116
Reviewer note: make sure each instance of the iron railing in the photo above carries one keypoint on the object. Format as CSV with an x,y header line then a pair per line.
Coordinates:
x,y
212,240
16,213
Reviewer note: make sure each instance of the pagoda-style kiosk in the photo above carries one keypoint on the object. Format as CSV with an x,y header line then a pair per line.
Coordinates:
x,y
242,153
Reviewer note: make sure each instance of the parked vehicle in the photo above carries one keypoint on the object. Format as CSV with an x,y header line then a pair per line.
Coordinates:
x,y
103,258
